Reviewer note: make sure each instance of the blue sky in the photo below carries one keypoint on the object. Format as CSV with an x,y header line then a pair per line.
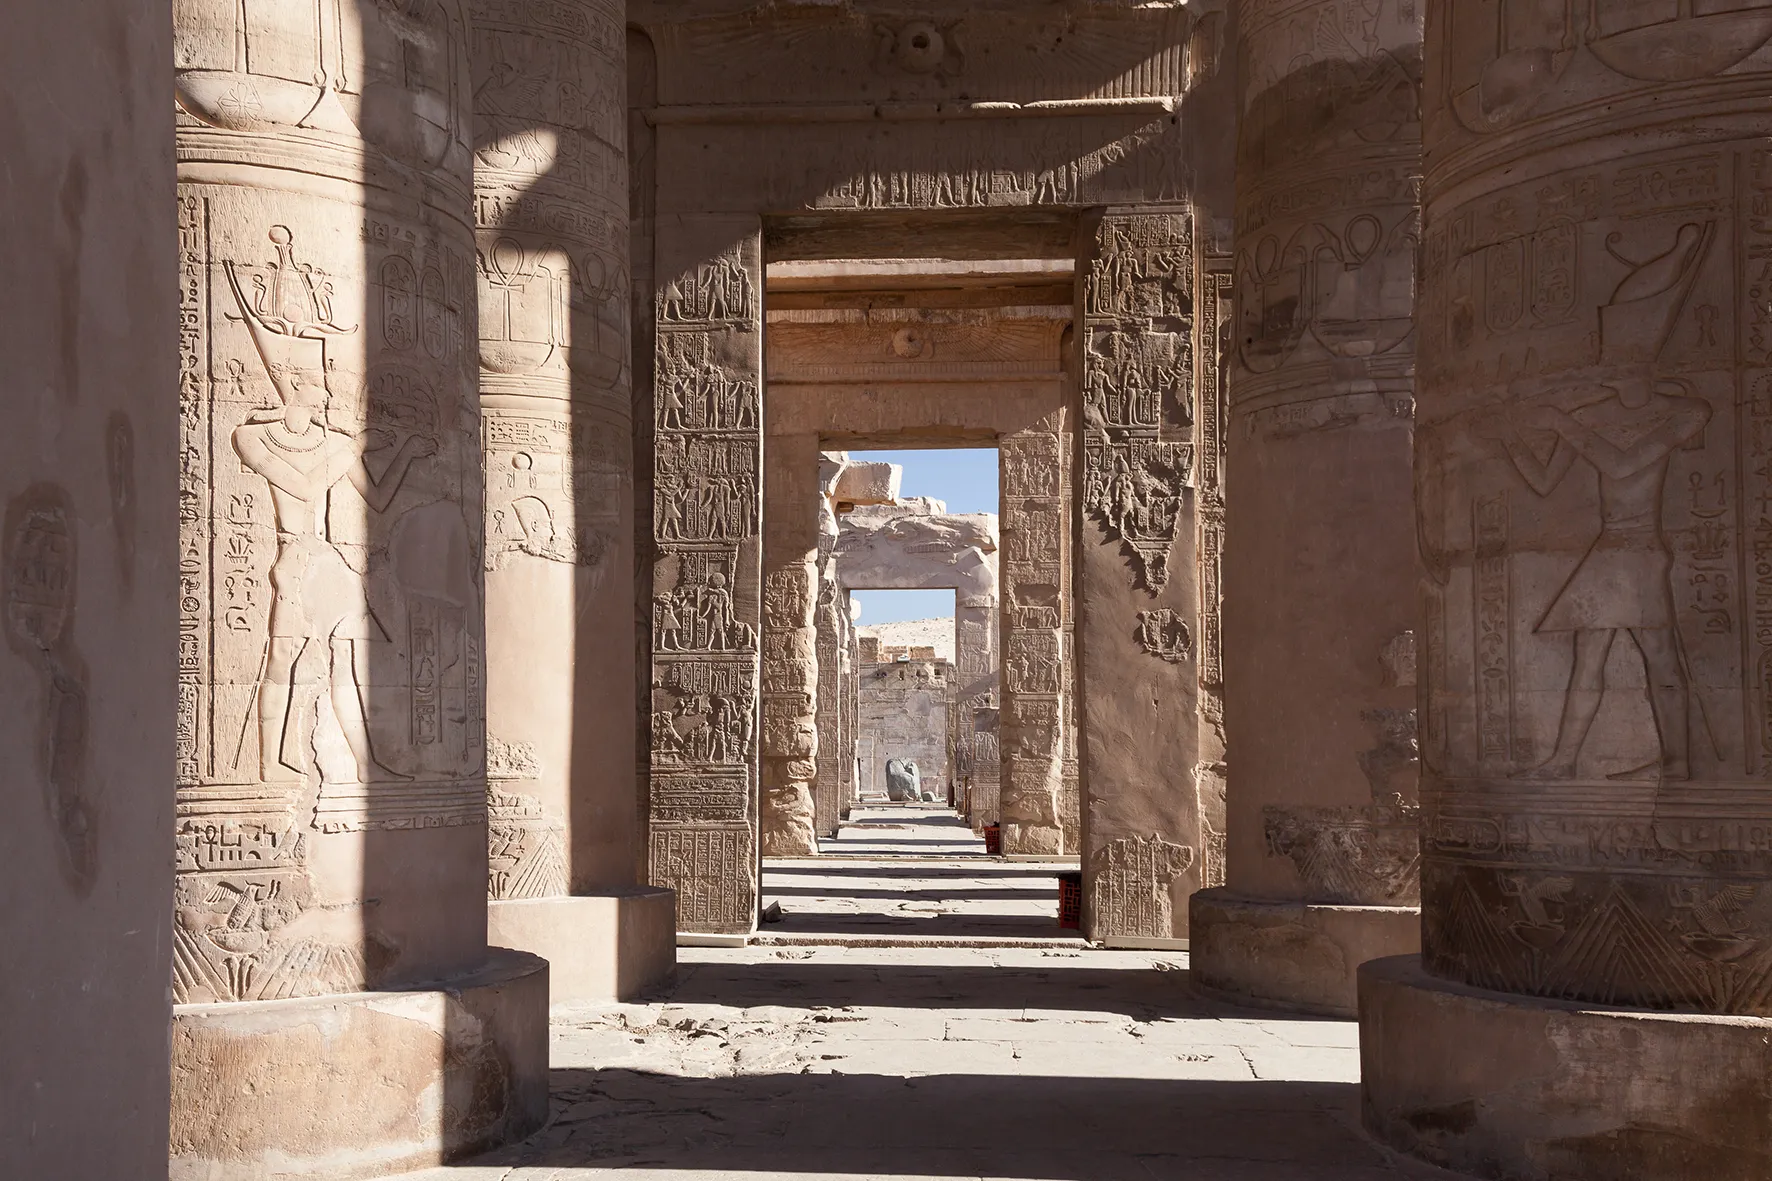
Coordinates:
x,y
967,480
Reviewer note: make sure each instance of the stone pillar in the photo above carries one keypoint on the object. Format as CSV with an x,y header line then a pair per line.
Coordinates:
x,y
1136,578
1034,604
1592,481
1320,569
88,571
707,582
790,646
329,945
851,710
830,620
555,407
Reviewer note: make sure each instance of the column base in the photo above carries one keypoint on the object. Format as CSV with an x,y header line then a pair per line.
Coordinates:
x,y
1297,956
1527,1089
360,1084
613,946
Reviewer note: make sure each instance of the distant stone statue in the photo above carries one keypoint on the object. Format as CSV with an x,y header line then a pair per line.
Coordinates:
x,y
903,782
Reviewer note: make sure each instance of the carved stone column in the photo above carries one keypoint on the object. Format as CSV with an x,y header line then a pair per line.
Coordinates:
x,y
89,475
790,646
1320,569
707,580
1136,578
331,766
830,620
1592,488
551,198
1034,603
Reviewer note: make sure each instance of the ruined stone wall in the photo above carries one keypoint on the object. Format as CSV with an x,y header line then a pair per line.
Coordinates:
x,y
902,710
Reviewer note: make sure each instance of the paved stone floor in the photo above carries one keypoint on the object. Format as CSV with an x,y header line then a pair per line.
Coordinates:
x,y
911,873
960,1058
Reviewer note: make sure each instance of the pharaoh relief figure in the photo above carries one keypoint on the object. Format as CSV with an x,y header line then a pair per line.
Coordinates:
x,y
1626,424
319,610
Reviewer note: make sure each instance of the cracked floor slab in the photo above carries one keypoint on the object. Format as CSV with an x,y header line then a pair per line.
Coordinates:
x,y
1001,1063
941,1052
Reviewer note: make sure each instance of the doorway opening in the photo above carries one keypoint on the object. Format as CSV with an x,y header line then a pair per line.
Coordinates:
x,y
905,855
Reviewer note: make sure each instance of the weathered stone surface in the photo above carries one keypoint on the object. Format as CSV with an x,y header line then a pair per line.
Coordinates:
x,y
1588,468
903,780
361,1084
556,413
707,588
903,715
1541,1090
1291,955
89,557
611,945
1138,575
867,484
1588,465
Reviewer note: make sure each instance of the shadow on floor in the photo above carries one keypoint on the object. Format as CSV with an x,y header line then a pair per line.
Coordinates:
x,y
1141,994
953,1125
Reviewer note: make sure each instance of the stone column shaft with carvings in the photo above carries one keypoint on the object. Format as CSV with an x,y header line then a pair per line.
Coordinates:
x,y
1320,571
1591,491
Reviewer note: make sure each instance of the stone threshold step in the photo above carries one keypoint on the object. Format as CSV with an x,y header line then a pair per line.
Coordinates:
x,y
789,939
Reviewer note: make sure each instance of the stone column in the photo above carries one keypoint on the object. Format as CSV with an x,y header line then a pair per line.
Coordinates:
x,y
707,582
1138,596
1592,487
830,621
1320,569
89,466
1035,576
329,946
552,253
790,672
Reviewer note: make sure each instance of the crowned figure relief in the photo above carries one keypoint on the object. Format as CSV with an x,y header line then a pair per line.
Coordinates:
x,y
1627,425
319,611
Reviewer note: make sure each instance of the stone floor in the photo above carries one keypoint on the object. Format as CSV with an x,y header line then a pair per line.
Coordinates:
x,y
966,1058
911,874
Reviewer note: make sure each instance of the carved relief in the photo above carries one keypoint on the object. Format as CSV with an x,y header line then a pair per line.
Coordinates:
x,y
1595,360
1138,452
331,658
1164,635
40,583
1364,855
1130,887
708,713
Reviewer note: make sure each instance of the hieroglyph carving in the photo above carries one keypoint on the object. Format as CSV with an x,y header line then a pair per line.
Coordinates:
x,y
1130,880
1138,450
1597,372
330,656
706,695
1035,617
1362,855
526,843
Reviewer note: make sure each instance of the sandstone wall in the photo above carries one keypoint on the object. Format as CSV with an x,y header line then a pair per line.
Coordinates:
x,y
89,465
903,714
